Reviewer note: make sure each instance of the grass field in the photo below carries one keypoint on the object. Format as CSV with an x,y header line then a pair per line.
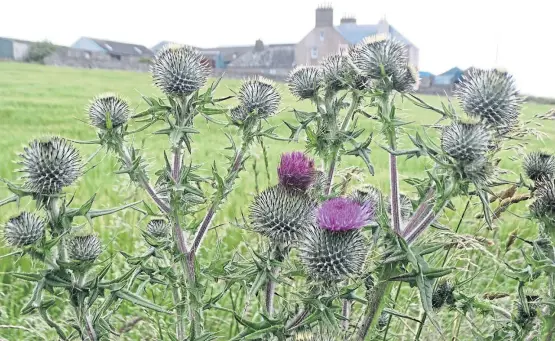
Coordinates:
x,y
38,100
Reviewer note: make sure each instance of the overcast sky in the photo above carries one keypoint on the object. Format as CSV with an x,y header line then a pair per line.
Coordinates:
x,y
516,35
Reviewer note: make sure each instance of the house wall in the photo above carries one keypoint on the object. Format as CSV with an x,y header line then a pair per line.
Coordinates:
x,y
20,50
280,74
413,54
87,44
6,49
330,45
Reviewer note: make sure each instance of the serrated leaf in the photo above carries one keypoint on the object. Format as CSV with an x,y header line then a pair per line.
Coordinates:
x,y
138,300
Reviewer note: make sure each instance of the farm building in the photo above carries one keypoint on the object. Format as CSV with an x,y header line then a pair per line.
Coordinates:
x,y
272,61
326,39
112,48
14,49
426,79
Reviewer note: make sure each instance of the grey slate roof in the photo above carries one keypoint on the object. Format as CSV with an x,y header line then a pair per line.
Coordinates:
x,y
228,52
272,56
118,48
354,33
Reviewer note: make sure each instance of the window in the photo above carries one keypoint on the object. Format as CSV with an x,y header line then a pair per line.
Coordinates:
x,y
321,35
108,47
138,50
273,71
87,55
314,53
115,57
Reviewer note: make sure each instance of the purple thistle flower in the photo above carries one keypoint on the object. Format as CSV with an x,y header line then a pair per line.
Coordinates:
x,y
342,214
296,171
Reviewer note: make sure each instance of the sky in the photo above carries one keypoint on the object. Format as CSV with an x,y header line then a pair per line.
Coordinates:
x,y
515,35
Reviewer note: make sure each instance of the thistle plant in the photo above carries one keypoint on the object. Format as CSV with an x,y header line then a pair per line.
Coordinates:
x,y
325,252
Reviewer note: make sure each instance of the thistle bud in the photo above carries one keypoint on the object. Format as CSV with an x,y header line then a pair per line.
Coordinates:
x,y
465,141
259,95
305,81
380,58
366,195
179,70
543,207
408,81
50,165
296,171
491,96
443,295
332,256
524,318
281,214
158,228
84,248
539,166
108,111
335,72
383,320
24,229
405,205
479,171
238,114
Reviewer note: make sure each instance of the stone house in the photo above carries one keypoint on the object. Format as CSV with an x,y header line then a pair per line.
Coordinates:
x,y
14,49
326,39
116,50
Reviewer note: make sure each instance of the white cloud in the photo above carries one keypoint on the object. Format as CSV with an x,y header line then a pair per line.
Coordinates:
x,y
515,35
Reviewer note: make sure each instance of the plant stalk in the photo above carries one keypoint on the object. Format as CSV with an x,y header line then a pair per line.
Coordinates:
x,y
376,303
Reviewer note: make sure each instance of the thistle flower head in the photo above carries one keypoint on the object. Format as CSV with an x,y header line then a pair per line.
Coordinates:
x,y
479,171
179,70
491,96
260,95
238,114
158,228
342,214
332,256
84,248
24,229
539,166
380,58
465,141
281,214
335,72
108,111
409,80
304,81
296,171
50,165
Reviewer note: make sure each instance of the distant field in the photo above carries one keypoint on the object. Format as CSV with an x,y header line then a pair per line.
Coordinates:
x,y
38,100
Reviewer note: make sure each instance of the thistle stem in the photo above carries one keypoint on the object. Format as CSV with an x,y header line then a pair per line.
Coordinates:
x,y
346,312
376,303
394,197
179,314
176,169
270,292
8,200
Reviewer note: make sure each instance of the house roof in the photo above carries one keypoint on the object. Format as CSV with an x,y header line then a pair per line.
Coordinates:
x,y
354,33
229,53
118,48
272,56
425,74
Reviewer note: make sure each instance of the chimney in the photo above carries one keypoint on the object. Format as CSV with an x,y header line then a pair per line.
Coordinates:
x,y
258,46
324,16
348,19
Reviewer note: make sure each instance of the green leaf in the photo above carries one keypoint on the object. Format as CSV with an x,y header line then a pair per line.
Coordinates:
x,y
138,300
28,276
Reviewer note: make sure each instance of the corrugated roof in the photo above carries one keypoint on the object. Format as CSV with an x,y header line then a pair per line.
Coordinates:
x,y
118,48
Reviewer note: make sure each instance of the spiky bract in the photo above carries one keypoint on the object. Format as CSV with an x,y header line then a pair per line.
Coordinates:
x,y
158,228
84,248
332,256
367,195
408,82
465,141
314,336
259,95
524,318
405,205
281,214
50,165
480,171
238,114
108,111
24,229
296,171
335,72
539,166
179,70
543,207
491,96
381,59
343,214
305,81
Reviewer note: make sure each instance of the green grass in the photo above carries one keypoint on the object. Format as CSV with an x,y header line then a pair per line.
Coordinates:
x,y
39,100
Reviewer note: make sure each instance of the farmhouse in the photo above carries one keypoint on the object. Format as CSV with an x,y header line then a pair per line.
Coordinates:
x,y
14,49
326,39
272,61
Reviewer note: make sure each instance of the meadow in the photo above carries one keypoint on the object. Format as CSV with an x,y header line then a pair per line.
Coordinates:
x,y
37,100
